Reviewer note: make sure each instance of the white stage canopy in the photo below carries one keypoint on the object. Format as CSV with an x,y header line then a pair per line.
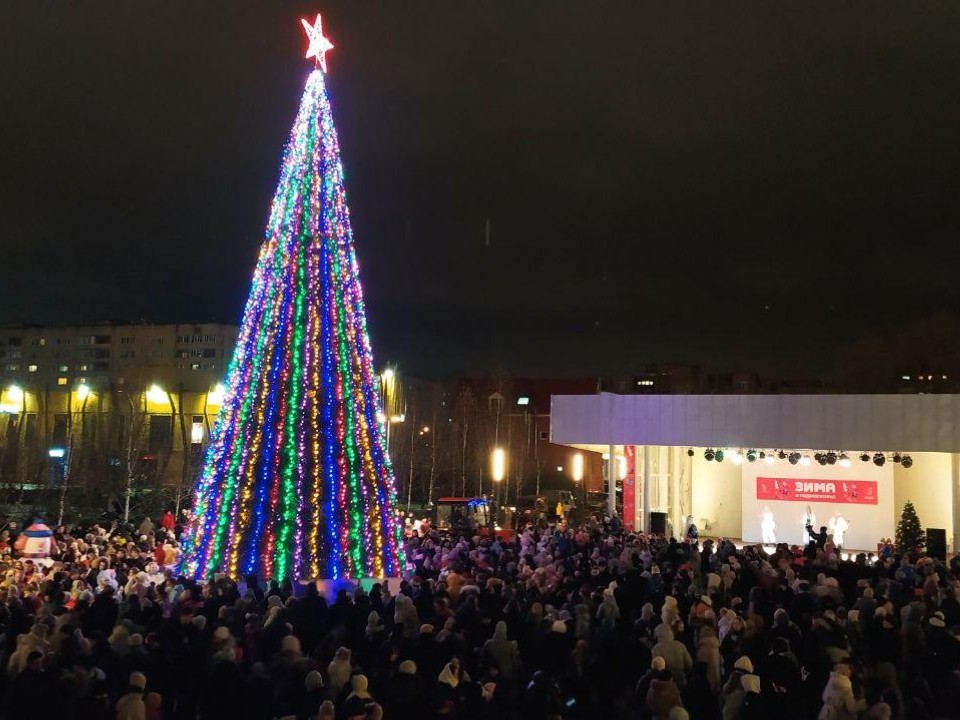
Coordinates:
x,y
907,423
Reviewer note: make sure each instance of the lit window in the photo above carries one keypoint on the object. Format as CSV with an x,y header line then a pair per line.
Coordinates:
x,y
83,368
61,381
194,366
523,400
906,377
196,432
64,368
31,368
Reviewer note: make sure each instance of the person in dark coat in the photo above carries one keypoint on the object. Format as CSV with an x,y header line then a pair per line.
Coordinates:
x,y
657,665
541,700
780,681
403,695
697,696
29,690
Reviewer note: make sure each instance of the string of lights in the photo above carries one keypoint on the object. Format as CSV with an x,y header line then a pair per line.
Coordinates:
x,y
297,481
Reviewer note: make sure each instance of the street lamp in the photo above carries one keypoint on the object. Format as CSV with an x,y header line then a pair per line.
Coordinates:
x,y
15,394
576,468
498,464
216,395
14,401
156,395
498,470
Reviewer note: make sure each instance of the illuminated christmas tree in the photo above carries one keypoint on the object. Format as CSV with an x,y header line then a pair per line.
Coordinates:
x,y
297,482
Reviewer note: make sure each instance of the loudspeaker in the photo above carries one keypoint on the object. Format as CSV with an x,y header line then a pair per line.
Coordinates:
x,y
658,523
937,543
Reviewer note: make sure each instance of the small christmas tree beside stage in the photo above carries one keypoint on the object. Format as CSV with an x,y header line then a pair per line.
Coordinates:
x,y
297,482
910,536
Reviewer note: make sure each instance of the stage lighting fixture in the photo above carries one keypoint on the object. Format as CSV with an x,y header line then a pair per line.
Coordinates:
x,y
907,461
708,455
896,457
831,458
844,460
794,458
879,459
751,455
762,455
719,456
817,456
865,457
820,458
782,455
690,452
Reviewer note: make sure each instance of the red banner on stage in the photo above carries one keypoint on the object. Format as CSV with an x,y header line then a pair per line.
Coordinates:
x,y
629,483
855,492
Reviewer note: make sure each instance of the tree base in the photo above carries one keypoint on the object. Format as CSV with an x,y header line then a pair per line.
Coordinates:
x,y
329,588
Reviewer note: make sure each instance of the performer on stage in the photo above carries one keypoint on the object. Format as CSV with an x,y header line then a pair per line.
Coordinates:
x,y
767,527
808,518
840,527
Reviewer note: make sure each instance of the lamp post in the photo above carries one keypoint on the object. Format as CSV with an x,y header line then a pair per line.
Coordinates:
x,y
83,395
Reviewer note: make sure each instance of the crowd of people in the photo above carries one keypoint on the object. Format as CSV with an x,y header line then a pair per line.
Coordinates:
x,y
553,622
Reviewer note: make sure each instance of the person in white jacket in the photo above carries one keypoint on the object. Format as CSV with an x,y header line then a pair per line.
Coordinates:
x,y
808,518
130,706
840,527
838,700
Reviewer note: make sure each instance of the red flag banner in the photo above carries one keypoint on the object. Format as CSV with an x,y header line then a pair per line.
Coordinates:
x,y
855,492
629,486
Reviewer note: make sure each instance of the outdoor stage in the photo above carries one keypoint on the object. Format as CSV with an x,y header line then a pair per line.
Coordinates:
x,y
663,450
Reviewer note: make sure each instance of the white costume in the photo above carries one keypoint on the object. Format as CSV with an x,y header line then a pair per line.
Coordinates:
x,y
767,527
808,518
840,526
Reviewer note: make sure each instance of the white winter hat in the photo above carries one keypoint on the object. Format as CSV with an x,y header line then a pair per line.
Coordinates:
x,y
751,683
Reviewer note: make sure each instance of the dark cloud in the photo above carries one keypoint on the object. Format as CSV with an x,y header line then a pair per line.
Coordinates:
x,y
732,186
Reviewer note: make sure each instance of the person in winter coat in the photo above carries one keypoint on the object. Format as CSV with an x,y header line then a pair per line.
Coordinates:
x,y
697,696
674,653
838,700
33,641
541,700
502,652
731,697
752,705
29,692
657,666
338,672
130,706
708,651
663,695
404,694
780,675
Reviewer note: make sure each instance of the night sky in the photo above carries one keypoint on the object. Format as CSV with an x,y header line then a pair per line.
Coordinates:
x,y
740,188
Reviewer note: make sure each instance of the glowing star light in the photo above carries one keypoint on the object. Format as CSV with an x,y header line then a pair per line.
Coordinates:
x,y
319,45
